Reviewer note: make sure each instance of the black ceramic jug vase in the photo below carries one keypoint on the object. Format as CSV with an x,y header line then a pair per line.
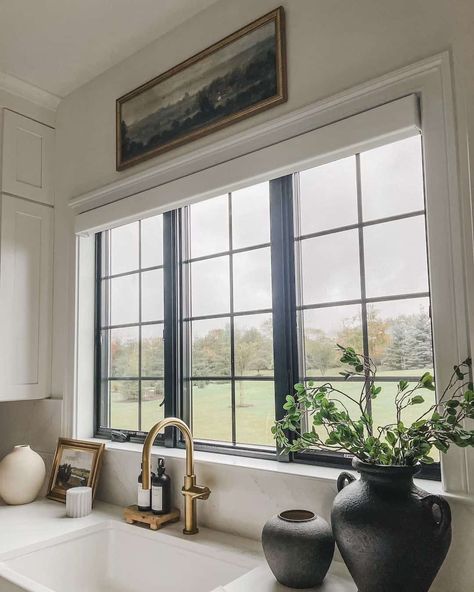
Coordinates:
x,y
392,535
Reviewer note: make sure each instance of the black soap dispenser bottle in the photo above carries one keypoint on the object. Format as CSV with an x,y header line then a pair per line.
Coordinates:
x,y
161,490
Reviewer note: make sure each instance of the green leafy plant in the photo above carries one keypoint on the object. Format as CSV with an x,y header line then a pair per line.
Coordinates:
x,y
330,426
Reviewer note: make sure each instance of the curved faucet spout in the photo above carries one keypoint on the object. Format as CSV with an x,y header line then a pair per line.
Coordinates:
x,y
190,490
155,430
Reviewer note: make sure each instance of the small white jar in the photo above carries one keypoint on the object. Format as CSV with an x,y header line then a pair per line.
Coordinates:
x,y
78,502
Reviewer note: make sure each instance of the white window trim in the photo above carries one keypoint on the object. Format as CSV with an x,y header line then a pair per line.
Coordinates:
x,y
448,218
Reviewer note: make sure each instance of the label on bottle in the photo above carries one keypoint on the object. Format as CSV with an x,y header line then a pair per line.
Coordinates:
x,y
157,499
143,498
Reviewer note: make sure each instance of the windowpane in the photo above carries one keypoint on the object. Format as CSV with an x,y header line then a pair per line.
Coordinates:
x,y
123,352
153,408
383,407
211,347
255,412
324,328
252,280
253,345
212,410
400,337
152,295
395,257
123,299
328,196
124,248
210,286
330,268
124,404
209,221
392,179
152,350
152,241
251,216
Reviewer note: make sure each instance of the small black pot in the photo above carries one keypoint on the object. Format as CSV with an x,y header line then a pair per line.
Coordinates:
x,y
298,547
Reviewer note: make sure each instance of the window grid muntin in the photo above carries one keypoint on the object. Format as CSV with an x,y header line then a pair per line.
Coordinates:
x,y
233,378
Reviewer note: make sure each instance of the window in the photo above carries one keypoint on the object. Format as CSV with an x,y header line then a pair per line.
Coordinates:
x,y
363,272
254,288
228,321
131,378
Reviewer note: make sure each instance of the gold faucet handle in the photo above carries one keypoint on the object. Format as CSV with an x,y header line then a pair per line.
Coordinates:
x,y
197,492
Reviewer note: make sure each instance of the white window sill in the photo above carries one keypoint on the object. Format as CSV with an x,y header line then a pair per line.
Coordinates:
x,y
315,472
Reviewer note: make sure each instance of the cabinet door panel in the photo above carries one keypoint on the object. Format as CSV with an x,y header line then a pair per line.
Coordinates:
x,y
25,299
27,158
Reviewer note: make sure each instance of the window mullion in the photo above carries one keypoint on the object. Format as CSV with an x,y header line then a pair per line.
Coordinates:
x,y
172,304
363,292
285,342
232,322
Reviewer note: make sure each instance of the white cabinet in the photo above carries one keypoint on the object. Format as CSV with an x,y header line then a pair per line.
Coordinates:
x,y
25,298
27,156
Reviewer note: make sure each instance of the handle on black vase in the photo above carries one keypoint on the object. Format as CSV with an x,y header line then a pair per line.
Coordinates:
x,y
344,479
445,511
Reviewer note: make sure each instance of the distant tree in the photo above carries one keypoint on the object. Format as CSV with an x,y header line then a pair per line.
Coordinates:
x,y
421,346
320,350
397,354
410,344
211,353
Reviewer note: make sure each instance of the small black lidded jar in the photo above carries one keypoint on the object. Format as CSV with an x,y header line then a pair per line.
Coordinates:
x,y
161,490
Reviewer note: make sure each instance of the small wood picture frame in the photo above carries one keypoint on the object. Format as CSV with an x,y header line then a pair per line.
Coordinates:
x,y
76,464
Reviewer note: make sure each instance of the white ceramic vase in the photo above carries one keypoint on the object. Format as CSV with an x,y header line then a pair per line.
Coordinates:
x,y
22,474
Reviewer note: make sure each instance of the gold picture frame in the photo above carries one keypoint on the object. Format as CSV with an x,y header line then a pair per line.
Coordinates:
x,y
239,76
76,463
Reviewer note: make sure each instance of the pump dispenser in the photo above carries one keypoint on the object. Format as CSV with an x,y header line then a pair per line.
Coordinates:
x,y
161,490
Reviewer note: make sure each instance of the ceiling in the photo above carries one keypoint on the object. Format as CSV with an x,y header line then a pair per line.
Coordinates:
x,y
59,45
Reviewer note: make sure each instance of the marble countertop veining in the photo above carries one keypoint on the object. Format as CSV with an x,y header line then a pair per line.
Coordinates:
x,y
43,520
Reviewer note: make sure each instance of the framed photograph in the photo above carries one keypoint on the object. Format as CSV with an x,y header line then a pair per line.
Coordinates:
x,y
238,76
76,464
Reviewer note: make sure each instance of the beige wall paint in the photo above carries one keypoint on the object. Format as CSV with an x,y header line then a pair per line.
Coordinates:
x,y
332,45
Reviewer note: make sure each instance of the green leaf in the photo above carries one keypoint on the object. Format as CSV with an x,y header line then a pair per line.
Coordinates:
x,y
375,390
391,438
416,400
441,446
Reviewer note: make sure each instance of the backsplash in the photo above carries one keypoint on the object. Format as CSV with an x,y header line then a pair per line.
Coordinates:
x,y
243,498
37,423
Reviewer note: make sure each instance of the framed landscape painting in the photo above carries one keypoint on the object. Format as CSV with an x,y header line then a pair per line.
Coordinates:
x,y
238,76
76,464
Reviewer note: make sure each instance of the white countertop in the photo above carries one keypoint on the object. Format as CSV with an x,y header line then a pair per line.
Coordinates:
x,y
32,524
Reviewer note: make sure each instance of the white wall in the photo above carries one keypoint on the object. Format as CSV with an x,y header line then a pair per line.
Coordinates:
x,y
332,45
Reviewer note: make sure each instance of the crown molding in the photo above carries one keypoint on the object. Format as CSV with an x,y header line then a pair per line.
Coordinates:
x,y
27,91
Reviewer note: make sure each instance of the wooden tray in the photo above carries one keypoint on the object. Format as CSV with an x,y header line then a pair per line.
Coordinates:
x,y
132,514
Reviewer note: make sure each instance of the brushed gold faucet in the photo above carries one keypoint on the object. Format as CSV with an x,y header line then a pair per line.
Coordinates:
x,y
190,490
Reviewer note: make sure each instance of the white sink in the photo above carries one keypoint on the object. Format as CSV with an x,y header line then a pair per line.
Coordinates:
x,y
115,557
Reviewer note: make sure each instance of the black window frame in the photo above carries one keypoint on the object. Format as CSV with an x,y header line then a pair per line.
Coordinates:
x,y
285,333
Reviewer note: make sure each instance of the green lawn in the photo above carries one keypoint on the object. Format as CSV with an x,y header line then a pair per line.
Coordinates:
x,y
212,415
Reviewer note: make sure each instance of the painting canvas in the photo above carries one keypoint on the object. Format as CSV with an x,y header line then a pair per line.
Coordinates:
x,y
76,464
238,76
